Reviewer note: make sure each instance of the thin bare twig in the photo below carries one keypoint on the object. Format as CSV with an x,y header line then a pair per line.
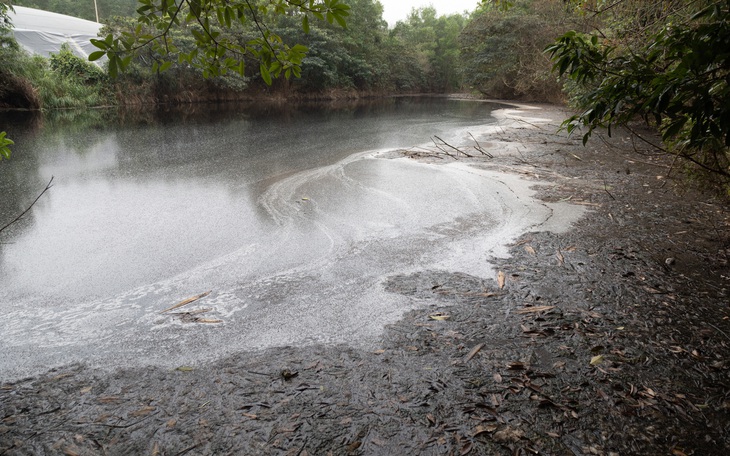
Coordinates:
x,y
442,149
479,147
452,147
48,186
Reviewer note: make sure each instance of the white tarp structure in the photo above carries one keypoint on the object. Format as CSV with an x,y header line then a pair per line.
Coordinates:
x,y
42,32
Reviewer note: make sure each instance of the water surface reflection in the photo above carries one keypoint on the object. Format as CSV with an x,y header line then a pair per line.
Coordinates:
x,y
285,212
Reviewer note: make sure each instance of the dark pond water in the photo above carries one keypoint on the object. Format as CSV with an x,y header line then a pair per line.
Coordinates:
x,y
292,216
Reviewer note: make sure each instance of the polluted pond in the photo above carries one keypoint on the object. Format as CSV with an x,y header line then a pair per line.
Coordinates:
x,y
580,341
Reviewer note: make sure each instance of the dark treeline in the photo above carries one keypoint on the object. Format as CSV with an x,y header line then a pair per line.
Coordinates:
x,y
495,51
618,61
418,55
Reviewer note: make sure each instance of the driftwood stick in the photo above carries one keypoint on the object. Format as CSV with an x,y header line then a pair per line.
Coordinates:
x,y
480,148
48,186
442,149
452,147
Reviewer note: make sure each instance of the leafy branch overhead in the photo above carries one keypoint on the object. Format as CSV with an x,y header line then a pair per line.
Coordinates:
x,y
677,79
215,52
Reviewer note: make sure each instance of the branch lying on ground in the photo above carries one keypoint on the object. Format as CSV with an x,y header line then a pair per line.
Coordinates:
x,y
479,147
48,186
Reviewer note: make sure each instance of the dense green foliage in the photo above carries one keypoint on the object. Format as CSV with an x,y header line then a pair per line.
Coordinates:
x,y
669,66
63,81
419,55
169,54
212,24
502,48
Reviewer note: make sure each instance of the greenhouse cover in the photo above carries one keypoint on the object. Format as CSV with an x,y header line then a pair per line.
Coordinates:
x,y
42,32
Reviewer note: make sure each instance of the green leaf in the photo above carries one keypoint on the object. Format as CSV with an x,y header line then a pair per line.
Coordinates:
x,y
340,20
99,43
96,55
265,75
305,23
113,68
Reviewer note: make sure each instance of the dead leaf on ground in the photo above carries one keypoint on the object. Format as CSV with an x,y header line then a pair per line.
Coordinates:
x,y
473,352
529,249
440,316
561,258
500,279
596,360
144,411
187,301
431,419
535,309
508,435
466,449
483,430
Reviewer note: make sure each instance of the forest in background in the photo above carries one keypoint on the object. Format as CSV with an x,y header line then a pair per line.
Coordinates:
x,y
494,51
662,61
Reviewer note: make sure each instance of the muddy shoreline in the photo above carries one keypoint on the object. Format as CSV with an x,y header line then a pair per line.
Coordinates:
x,y
612,338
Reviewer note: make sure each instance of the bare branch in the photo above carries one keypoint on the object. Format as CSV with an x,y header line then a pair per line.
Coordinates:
x,y
48,186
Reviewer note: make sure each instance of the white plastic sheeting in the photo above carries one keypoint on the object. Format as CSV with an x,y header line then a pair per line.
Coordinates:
x,y
42,32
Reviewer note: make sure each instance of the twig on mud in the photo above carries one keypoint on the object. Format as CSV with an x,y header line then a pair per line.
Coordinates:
x,y
304,445
189,449
605,188
473,352
48,186
528,123
118,426
522,159
479,147
442,149
450,146
720,330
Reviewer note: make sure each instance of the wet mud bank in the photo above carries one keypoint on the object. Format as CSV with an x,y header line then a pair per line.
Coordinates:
x,y
610,338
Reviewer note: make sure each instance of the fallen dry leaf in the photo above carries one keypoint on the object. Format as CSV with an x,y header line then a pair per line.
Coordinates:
x,y
144,411
440,316
530,250
483,430
596,360
508,435
535,309
473,352
500,279
187,301
207,320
